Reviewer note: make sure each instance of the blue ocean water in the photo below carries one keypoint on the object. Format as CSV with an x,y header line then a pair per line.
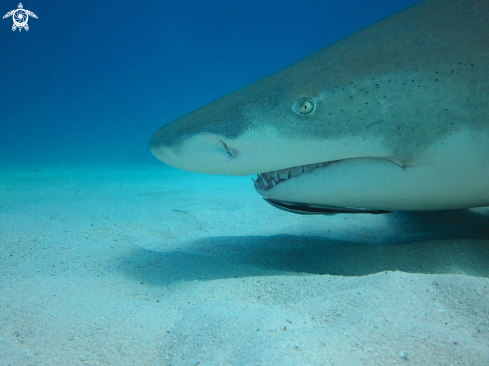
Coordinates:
x,y
108,256
89,82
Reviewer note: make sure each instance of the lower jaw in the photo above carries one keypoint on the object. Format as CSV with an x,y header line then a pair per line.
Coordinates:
x,y
356,183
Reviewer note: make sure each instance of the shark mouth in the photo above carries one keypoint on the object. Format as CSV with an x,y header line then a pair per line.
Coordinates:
x,y
266,181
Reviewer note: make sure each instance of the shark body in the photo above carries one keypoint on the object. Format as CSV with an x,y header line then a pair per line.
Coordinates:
x,y
392,117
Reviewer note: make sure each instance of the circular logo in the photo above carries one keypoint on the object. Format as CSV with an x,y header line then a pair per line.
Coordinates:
x,y
20,18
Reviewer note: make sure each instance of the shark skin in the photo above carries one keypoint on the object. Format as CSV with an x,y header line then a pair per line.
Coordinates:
x,y
392,117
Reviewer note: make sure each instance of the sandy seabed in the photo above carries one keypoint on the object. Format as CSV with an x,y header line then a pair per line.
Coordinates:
x,y
155,266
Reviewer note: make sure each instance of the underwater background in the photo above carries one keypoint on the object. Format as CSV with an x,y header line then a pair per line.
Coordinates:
x,y
110,257
90,82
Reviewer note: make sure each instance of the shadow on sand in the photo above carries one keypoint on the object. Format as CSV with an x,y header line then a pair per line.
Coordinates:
x,y
455,242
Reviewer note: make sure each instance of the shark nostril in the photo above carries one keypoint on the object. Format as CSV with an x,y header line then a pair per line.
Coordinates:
x,y
230,151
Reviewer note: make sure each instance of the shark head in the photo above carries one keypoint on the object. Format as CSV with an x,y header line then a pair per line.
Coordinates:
x,y
377,120
271,125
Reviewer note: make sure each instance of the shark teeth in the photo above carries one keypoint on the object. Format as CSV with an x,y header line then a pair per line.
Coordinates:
x,y
271,179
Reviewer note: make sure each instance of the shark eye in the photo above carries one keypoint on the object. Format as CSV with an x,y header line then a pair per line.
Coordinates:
x,y
304,106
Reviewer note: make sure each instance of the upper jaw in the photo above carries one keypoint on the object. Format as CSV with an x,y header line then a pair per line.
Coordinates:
x,y
268,180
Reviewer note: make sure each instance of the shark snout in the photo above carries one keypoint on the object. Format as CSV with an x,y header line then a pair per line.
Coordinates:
x,y
201,152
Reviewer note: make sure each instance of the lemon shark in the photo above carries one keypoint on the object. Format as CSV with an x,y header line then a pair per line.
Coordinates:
x,y
392,117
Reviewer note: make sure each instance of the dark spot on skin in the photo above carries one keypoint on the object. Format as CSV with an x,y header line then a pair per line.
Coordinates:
x,y
436,79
